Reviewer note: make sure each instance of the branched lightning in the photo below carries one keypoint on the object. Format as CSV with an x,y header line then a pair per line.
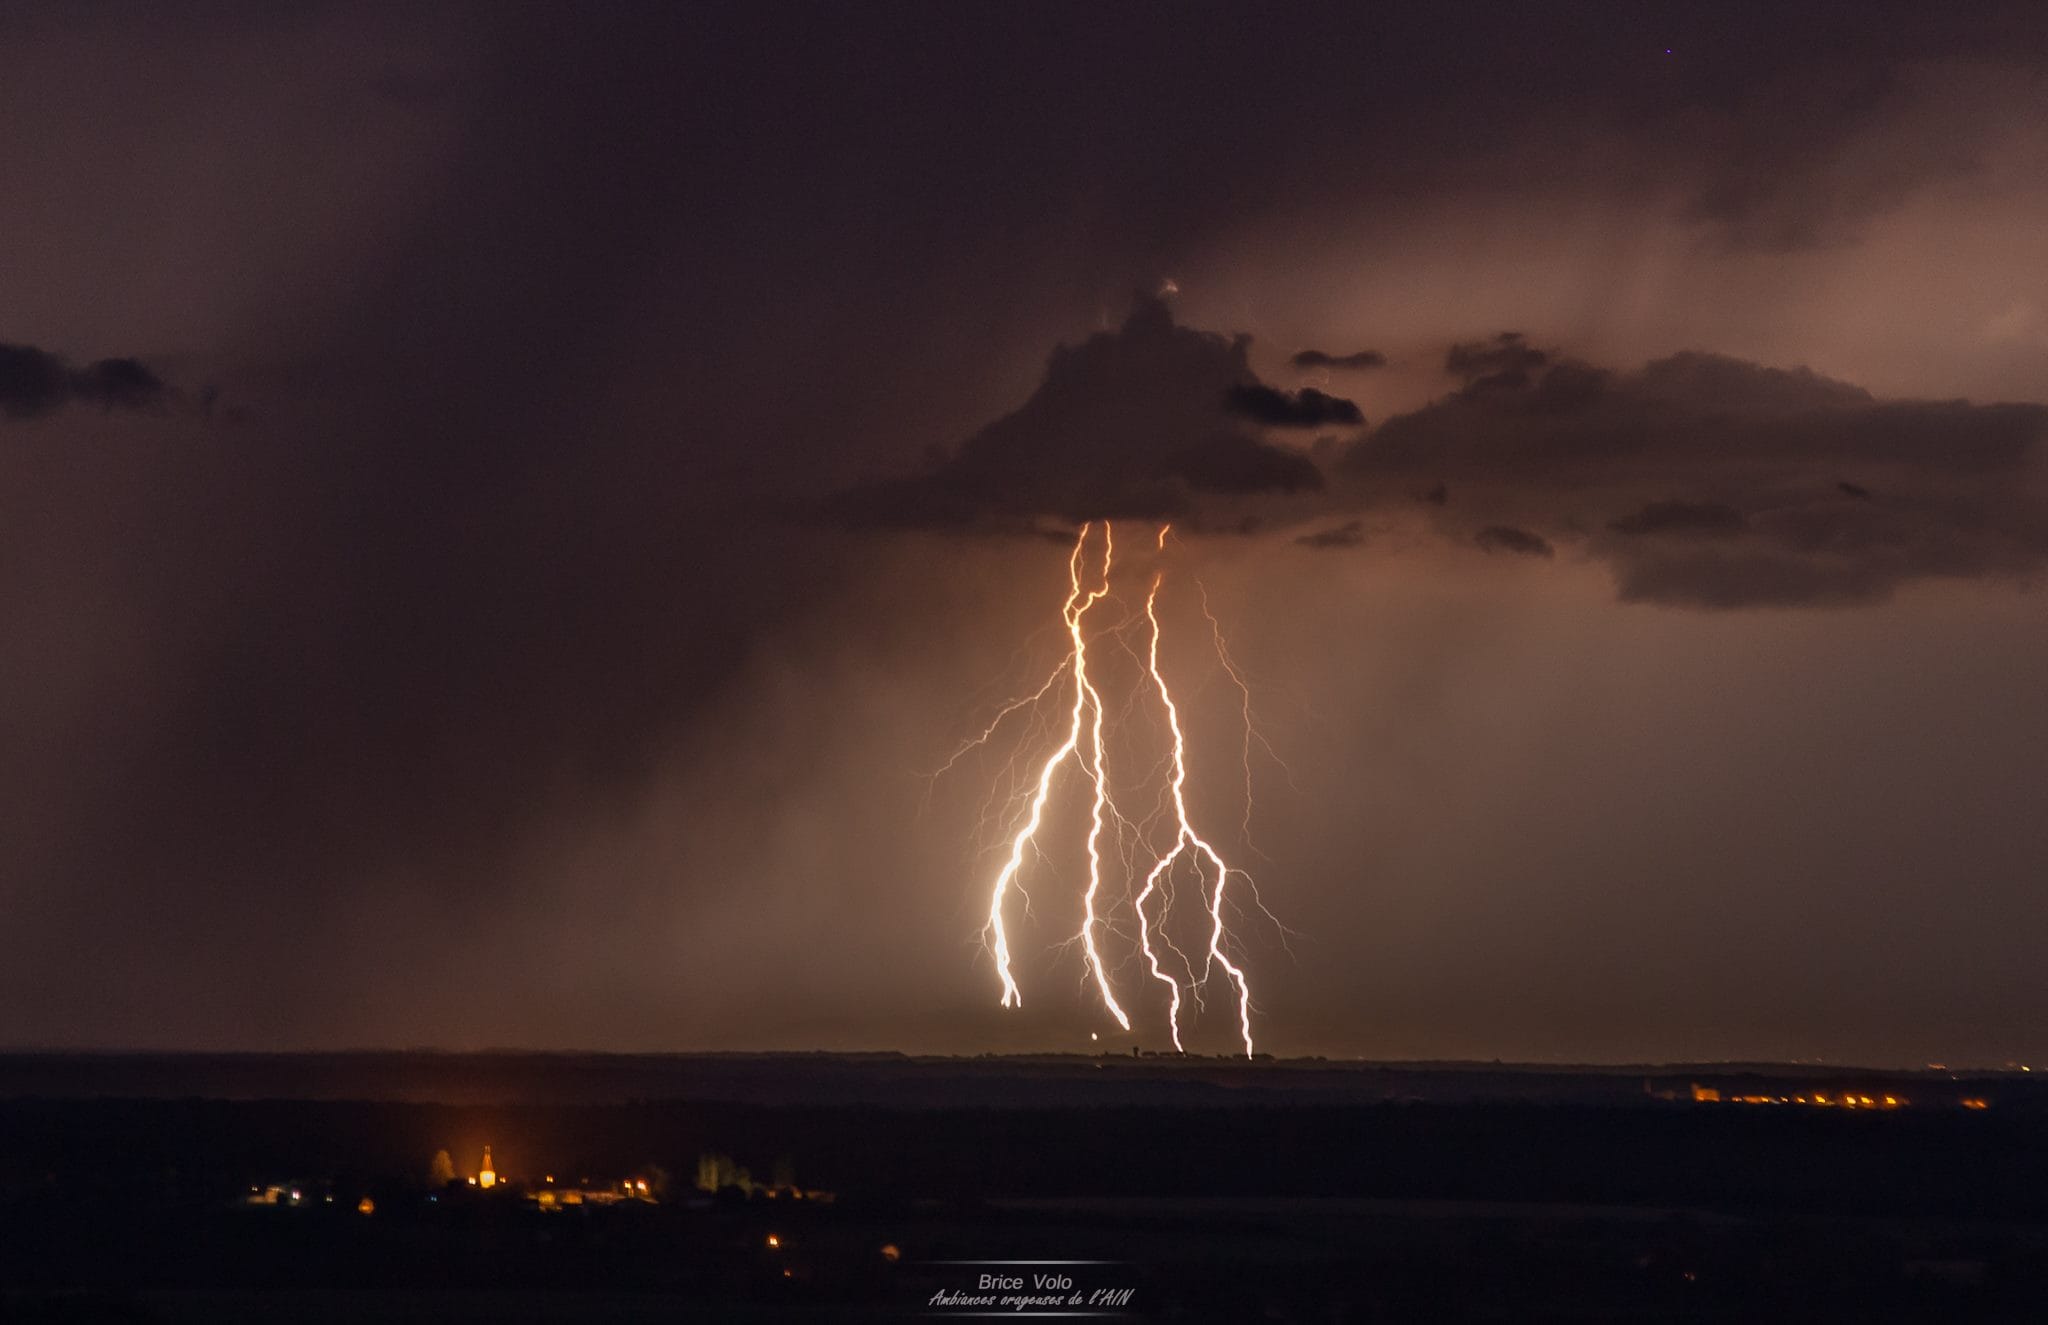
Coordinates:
x,y
1074,611
1085,687
1085,741
1185,838
1251,730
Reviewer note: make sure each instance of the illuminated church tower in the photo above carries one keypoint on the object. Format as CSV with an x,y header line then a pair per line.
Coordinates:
x,y
487,1176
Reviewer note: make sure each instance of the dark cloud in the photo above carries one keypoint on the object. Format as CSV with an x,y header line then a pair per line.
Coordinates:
x,y
1129,423
1306,408
1324,359
1507,359
1507,538
1349,534
1224,463
119,384
34,382
1714,482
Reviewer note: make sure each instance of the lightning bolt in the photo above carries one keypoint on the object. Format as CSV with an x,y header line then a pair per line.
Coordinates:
x,y
1185,839
1086,744
1165,863
1084,686
1086,698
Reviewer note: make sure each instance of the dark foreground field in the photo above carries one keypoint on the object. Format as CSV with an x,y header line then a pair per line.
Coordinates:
x,y
876,1185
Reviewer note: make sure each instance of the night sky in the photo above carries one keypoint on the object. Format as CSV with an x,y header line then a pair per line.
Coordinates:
x,y
501,507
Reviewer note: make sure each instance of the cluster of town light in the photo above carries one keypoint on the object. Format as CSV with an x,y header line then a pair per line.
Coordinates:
x,y
713,1169
1823,1099
1820,1098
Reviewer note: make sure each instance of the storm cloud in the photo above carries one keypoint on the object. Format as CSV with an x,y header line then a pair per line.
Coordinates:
x,y
1706,481
1148,420
35,382
1324,359
1699,480
1506,359
1306,408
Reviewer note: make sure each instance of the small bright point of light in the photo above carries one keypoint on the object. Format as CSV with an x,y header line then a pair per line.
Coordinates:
x,y
472,1182
774,1242
891,1252
641,1184
1093,1036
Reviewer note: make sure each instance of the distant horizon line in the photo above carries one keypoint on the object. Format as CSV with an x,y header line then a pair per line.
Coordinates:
x,y
1148,1056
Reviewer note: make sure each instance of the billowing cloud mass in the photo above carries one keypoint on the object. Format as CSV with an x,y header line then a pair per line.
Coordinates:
x,y
1506,360
1306,408
1700,480
1137,422
1707,481
34,382
1324,359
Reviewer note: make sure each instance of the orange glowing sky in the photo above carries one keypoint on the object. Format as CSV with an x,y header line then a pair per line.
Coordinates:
x,y
460,651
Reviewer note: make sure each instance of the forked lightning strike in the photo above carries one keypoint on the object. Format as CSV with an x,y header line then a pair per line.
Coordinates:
x,y
1076,608
1085,742
1185,838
